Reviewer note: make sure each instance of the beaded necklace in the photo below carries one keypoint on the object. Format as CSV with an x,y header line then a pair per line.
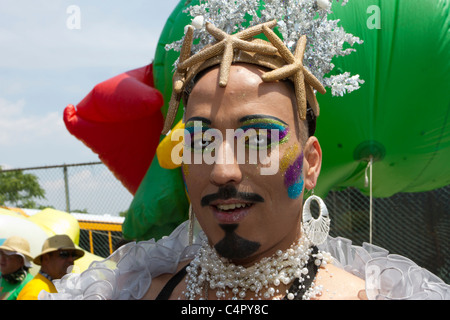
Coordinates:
x,y
297,266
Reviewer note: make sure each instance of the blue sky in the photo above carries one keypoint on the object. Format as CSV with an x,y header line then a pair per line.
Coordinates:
x,y
44,65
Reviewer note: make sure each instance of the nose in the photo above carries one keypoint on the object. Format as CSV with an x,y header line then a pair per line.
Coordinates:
x,y
225,168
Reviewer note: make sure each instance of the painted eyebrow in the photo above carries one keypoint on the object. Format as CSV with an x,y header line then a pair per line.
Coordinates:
x,y
260,116
206,121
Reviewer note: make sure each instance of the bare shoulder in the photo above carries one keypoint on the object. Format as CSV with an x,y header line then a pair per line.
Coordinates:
x,y
339,284
159,282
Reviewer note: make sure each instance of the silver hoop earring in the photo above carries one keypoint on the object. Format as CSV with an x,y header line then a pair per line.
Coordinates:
x,y
316,230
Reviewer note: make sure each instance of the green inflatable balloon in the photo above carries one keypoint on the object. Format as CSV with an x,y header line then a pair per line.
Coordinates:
x,y
399,117
159,205
164,59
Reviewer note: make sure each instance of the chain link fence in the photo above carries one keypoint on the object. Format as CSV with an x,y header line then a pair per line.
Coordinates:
x,y
83,187
100,235
415,225
91,193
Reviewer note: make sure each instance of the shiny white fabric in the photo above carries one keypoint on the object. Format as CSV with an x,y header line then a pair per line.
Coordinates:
x,y
387,276
128,272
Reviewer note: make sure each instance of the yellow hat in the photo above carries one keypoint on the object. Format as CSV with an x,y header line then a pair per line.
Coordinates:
x,y
58,242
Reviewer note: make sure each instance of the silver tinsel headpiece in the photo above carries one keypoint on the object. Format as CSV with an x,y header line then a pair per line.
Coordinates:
x,y
294,18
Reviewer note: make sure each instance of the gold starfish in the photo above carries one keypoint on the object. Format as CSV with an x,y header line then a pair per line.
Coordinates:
x,y
179,79
295,68
180,73
226,44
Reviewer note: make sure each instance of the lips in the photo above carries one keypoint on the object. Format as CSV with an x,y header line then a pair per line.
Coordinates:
x,y
228,205
230,212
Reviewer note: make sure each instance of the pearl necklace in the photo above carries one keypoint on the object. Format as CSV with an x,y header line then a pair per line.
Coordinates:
x,y
261,279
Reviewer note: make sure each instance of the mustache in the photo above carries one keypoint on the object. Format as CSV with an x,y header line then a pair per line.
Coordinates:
x,y
228,192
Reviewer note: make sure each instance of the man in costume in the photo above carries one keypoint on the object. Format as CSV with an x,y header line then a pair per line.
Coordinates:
x,y
250,236
248,217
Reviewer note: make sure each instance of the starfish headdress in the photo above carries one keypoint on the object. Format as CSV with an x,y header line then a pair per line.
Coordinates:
x,y
285,58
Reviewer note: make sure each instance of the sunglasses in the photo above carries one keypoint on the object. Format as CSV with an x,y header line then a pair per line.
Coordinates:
x,y
66,254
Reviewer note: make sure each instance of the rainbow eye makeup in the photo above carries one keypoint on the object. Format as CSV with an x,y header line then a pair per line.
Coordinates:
x,y
198,135
257,130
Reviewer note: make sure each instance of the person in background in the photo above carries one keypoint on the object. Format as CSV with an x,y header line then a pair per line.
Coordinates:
x,y
58,254
15,262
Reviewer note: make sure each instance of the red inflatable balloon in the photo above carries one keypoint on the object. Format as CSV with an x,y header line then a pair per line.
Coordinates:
x,y
121,121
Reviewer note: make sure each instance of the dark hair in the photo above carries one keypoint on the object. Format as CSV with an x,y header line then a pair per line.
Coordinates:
x,y
310,116
310,120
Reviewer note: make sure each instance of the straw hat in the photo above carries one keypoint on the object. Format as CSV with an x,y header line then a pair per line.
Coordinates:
x,y
18,245
58,242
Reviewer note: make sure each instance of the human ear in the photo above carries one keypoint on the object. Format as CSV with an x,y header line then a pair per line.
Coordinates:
x,y
312,162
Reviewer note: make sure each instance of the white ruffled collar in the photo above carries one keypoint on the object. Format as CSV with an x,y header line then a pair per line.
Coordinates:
x,y
128,272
